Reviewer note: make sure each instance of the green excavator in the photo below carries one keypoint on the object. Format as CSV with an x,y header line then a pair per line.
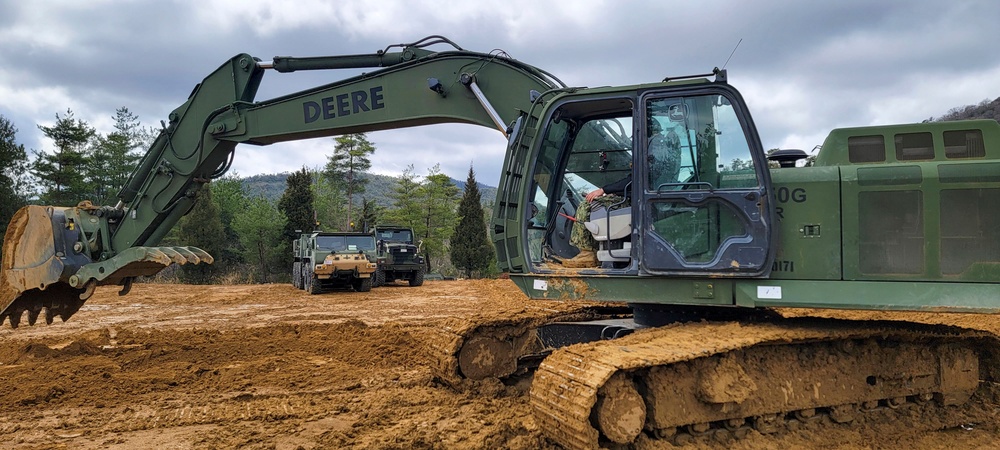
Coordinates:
x,y
706,234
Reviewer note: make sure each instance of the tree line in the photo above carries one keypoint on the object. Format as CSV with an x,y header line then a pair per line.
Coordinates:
x,y
249,235
84,165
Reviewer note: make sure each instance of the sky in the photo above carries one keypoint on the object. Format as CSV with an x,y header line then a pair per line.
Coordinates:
x,y
804,67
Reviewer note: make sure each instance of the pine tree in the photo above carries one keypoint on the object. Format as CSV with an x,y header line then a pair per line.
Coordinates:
x,y
348,164
61,173
438,197
406,208
370,212
229,197
13,174
202,228
471,249
113,157
259,229
428,207
296,204
328,202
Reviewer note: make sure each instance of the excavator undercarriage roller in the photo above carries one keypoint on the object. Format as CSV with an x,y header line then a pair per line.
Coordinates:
x,y
691,380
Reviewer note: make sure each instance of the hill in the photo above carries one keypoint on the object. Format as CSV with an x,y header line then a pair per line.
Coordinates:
x,y
380,187
985,109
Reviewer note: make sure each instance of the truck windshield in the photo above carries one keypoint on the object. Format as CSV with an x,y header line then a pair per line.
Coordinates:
x,y
345,243
395,235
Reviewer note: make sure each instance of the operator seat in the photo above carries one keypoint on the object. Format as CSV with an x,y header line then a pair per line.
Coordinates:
x,y
612,229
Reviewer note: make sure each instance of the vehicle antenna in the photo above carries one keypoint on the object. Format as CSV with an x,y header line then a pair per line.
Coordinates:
x,y
733,53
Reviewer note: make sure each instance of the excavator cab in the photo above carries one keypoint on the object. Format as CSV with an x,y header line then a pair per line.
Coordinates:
x,y
697,198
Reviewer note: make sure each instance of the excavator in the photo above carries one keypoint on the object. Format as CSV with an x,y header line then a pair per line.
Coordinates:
x,y
709,235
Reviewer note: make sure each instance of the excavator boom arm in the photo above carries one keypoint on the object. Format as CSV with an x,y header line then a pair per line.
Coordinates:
x,y
88,245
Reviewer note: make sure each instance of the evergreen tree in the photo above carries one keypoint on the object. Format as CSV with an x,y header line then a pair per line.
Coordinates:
x,y
428,207
471,249
296,204
229,197
438,197
202,228
348,164
60,173
259,229
328,202
370,212
113,157
405,207
13,174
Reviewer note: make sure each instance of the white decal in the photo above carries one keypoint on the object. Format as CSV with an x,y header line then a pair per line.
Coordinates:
x,y
770,292
541,285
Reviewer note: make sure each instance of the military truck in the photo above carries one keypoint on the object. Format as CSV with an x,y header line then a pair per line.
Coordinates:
x,y
328,260
398,257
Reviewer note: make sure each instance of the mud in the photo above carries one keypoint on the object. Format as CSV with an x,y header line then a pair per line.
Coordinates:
x,y
269,366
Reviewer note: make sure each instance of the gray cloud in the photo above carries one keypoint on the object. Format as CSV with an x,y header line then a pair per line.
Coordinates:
x,y
804,67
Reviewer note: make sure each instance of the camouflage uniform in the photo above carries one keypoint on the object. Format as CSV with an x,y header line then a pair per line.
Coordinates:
x,y
580,237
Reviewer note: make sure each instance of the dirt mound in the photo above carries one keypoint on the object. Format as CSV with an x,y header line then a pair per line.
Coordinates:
x,y
269,366
67,350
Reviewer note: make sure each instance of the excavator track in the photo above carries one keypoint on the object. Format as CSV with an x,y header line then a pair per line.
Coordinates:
x,y
687,380
498,348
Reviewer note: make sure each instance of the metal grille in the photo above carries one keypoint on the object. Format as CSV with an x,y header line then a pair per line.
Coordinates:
x,y
891,232
403,257
970,228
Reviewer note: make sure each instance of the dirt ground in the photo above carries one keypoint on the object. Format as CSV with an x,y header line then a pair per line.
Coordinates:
x,y
268,366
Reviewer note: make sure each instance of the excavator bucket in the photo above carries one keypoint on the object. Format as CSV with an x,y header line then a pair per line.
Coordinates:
x,y
46,272
31,270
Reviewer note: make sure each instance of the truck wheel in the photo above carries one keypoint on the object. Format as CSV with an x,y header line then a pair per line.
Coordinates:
x,y
363,284
297,275
379,278
418,277
313,285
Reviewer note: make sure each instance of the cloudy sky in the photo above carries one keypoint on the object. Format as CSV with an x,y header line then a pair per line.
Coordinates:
x,y
804,67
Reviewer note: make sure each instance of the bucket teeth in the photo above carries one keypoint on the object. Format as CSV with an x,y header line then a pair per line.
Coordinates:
x,y
178,255
201,254
33,315
15,317
63,298
193,255
189,257
155,255
172,254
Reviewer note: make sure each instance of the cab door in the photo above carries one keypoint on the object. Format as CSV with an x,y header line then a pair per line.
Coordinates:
x,y
703,185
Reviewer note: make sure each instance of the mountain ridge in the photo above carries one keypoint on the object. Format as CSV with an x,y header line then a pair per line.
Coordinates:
x,y
380,188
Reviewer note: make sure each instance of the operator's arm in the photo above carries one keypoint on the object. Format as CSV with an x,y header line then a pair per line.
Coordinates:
x,y
617,187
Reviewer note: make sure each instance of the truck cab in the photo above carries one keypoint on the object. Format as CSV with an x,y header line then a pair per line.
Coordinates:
x,y
330,260
398,256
